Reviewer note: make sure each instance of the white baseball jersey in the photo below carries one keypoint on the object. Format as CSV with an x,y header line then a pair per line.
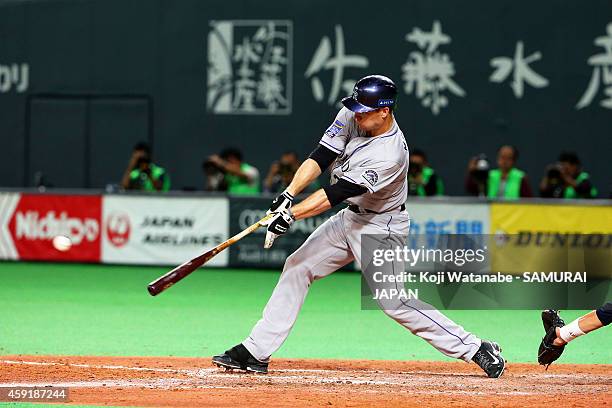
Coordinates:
x,y
378,163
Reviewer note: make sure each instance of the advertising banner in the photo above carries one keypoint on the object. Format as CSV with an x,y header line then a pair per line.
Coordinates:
x,y
163,230
514,218
559,242
430,218
432,222
34,220
8,202
571,235
549,256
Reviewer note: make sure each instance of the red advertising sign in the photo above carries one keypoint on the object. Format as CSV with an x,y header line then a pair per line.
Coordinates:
x,y
38,219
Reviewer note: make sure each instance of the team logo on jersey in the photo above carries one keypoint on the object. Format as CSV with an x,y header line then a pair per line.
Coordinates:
x,y
334,129
370,176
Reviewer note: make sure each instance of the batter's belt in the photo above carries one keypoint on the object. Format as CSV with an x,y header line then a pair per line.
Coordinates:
x,y
358,210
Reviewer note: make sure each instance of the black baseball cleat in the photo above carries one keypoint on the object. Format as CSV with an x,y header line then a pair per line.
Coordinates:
x,y
239,358
489,358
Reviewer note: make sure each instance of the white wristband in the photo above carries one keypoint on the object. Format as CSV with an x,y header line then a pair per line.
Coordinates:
x,y
570,331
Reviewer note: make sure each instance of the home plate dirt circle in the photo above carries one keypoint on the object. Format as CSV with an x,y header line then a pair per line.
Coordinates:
x,y
194,382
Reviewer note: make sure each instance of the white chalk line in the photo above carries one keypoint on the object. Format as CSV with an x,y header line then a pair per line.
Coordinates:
x,y
107,367
200,372
330,377
169,383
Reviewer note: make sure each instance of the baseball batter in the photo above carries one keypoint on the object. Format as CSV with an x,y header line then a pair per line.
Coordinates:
x,y
368,156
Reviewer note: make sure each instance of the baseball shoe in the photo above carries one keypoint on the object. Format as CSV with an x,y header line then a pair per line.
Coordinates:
x,y
239,358
489,358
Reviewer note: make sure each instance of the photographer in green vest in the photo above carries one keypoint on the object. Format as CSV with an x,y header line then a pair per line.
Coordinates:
x,y
239,177
506,181
566,179
142,174
422,179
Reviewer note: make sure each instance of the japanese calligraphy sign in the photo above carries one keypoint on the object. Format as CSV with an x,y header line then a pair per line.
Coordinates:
x,y
249,67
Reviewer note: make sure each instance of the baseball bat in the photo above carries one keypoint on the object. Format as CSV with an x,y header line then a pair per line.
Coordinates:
x,y
164,282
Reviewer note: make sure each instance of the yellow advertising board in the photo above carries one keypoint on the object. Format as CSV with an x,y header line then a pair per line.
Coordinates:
x,y
511,218
551,238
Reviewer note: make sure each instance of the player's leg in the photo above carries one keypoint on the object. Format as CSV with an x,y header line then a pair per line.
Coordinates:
x,y
417,316
324,252
420,318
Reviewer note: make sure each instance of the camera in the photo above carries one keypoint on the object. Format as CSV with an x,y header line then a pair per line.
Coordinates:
x,y
143,164
143,160
481,172
285,169
556,184
210,167
415,168
553,172
215,177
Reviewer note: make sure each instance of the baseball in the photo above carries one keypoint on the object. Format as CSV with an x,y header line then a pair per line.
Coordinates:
x,y
62,243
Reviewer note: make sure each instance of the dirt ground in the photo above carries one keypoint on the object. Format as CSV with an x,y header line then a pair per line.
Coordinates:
x,y
191,382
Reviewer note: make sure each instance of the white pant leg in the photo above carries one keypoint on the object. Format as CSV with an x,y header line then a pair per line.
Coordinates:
x,y
324,252
420,318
